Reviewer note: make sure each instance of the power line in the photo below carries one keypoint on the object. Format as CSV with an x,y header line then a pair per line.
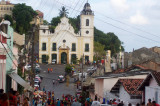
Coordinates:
x,y
71,13
129,25
128,31
12,52
119,27
8,53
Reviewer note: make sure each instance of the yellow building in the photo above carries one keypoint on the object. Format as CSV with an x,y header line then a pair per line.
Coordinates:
x,y
64,45
5,8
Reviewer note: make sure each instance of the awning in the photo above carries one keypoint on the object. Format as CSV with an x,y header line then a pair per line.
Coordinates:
x,y
19,80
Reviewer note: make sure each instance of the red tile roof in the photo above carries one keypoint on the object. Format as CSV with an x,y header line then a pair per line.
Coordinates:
x,y
40,14
8,3
131,85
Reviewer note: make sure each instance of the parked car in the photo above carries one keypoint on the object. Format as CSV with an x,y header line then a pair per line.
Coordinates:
x,y
61,78
36,85
37,70
37,78
91,69
37,65
27,66
54,61
36,81
37,75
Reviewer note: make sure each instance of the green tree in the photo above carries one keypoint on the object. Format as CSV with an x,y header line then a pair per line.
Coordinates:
x,y
75,22
68,69
99,51
45,22
109,40
23,15
63,12
54,23
9,18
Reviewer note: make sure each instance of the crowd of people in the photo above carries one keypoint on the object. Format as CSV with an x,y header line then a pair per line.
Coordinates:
x,y
11,98
48,98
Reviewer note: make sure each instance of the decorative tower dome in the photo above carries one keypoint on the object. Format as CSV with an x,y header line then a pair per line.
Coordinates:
x,y
87,10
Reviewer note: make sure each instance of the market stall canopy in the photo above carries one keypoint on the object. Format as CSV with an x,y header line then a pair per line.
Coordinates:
x,y
22,82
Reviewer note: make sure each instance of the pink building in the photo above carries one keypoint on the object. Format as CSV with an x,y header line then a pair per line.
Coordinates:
x,y
104,84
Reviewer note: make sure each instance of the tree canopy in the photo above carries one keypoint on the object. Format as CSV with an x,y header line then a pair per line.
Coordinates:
x,y
23,15
99,51
110,40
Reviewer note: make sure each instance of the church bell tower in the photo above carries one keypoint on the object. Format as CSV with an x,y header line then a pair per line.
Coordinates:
x,y
87,21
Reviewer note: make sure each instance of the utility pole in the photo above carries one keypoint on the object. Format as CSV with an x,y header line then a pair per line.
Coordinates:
x,y
32,58
82,72
32,61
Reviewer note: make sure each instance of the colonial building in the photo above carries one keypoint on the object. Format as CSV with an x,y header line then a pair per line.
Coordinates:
x,y
64,45
6,8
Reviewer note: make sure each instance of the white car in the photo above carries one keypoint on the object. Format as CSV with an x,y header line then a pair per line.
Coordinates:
x,y
36,85
36,80
37,65
27,67
54,61
92,69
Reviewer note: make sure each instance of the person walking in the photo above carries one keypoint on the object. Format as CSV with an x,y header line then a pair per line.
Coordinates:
x,y
96,102
25,103
51,70
149,102
48,70
58,102
4,100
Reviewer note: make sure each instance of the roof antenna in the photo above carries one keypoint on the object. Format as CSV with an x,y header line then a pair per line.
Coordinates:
x,y
87,1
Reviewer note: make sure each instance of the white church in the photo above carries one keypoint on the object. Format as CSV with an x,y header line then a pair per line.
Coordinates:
x,y
64,44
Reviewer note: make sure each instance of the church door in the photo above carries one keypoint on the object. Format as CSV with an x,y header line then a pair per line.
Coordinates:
x,y
63,58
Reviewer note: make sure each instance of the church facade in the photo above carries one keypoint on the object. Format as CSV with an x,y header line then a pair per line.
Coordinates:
x,y
64,45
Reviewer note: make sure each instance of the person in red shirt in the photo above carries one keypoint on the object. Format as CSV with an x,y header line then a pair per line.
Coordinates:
x,y
51,70
114,102
154,103
48,70
4,100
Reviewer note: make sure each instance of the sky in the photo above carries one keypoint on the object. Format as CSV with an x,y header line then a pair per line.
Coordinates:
x,y
135,22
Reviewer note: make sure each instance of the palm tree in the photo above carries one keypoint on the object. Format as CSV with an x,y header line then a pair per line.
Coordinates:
x,y
63,12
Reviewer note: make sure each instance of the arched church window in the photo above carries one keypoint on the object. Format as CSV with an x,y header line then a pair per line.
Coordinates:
x,y
87,22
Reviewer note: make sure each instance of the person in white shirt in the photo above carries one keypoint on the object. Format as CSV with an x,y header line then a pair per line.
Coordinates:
x,y
96,102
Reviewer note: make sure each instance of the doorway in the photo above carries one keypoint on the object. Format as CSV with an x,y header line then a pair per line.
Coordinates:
x,y
63,58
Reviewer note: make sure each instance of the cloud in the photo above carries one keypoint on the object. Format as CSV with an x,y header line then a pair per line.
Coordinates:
x,y
120,5
138,19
